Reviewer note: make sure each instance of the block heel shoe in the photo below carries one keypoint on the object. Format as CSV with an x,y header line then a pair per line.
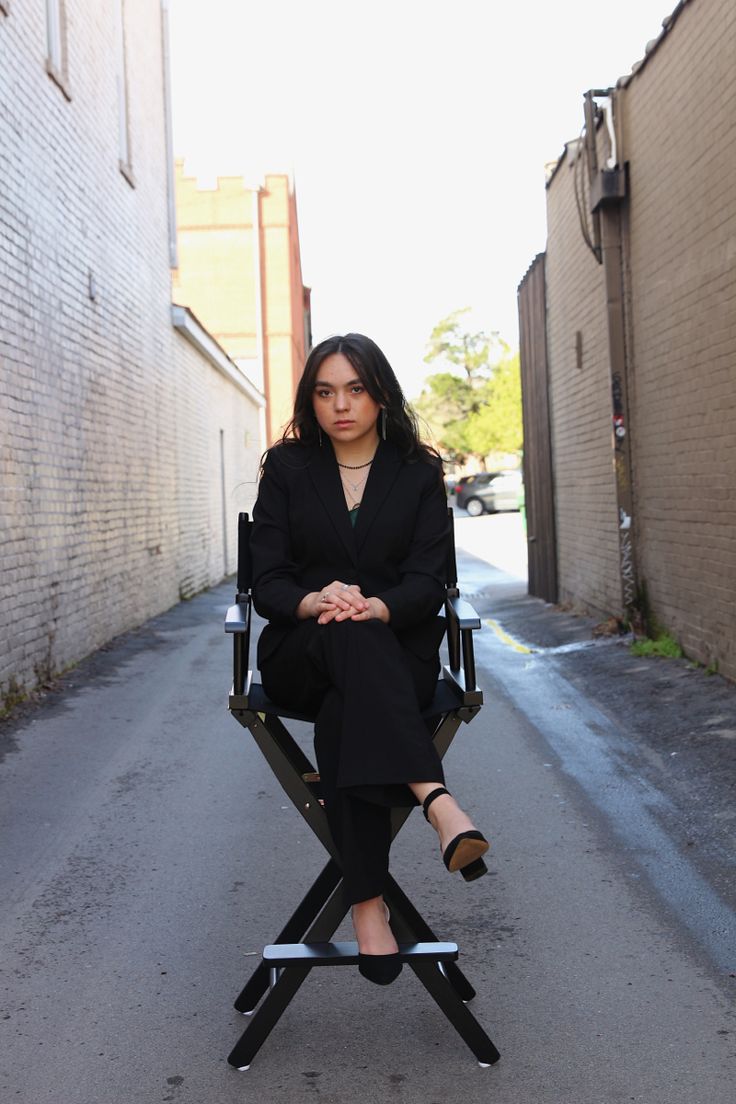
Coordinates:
x,y
465,851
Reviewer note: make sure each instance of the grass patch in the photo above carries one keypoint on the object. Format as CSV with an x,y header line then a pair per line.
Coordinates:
x,y
665,646
12,696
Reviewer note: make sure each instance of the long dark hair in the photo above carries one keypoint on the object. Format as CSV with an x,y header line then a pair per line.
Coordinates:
x,y
379,380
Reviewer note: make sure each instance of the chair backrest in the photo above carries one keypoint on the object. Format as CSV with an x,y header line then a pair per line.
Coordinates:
x,y
245,559
461,621
451,579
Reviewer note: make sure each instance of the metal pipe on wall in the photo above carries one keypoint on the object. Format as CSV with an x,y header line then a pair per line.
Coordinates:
x,y
608,191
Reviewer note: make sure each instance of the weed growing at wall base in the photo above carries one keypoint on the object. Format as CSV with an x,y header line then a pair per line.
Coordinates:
x,y
11,696
664,645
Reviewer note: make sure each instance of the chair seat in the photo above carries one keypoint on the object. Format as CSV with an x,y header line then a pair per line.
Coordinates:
x,y
446,698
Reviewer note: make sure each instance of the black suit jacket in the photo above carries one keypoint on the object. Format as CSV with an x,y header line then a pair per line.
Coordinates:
x,y
303,540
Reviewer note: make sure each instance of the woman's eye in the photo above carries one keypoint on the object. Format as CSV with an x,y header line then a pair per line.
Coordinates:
x,y
357,389
323,394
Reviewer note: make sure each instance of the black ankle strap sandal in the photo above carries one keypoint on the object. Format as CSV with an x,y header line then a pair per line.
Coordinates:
x,y
464,852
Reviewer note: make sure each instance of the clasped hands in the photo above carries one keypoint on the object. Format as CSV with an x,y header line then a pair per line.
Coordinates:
x,y
341,602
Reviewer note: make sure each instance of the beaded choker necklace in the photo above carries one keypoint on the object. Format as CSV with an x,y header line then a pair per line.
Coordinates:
x,y
356,467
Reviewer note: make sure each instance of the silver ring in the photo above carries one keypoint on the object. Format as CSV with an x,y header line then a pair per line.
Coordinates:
x,y
345,586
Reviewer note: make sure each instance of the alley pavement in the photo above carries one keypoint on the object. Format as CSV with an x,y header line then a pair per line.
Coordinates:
x,y
148,854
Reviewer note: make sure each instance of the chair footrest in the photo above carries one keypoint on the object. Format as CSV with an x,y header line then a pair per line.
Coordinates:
x,y
346,954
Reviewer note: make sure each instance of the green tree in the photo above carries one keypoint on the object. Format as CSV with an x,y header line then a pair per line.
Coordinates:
x,y
453,346
496,426
474,406
444,405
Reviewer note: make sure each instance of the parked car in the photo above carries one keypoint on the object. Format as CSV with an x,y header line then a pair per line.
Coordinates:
x,y
465,487
489,492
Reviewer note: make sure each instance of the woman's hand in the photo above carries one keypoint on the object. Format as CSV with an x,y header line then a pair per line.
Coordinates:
x,y
341,602
376,611
337,598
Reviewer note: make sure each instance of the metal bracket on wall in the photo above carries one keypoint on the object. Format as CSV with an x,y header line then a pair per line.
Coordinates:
x,y
607,187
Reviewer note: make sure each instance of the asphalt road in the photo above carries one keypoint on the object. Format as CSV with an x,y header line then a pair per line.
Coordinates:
x,y
148,854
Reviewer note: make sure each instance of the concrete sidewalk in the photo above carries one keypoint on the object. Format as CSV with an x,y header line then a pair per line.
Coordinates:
x,y
680,720
148,855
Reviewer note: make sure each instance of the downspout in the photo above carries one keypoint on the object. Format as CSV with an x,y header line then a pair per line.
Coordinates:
x,y
169,135
260,344
257,282
608,191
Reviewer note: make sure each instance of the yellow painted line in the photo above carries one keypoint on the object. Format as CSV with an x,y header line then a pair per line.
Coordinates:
x,y
504,637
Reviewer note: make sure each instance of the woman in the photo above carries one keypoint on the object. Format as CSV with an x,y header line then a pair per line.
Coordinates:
x,y
349,551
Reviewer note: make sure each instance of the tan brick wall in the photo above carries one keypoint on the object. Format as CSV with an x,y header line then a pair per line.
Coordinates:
x,y
216,274
111,494
585,491
680,139
217,269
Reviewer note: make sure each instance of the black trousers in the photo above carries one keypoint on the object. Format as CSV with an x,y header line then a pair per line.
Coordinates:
x,y
366,692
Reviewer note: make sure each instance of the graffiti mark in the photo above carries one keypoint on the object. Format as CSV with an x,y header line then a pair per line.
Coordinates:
x,y
626,547
617,395
628,578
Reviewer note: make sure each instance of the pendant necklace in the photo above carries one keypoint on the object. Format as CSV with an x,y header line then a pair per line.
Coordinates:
x,y
345,479
352,490
354,487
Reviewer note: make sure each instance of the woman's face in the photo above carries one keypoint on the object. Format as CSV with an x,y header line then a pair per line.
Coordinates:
x,y
343,408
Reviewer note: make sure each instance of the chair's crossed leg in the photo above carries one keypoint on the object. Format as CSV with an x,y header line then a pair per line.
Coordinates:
x,y
292,932
316,919
325,906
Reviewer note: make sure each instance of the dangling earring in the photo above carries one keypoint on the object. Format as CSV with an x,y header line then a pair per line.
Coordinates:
x,y
383,422
319,434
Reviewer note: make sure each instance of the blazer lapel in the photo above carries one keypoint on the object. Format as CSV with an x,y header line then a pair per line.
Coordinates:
x,y
326,479
384,472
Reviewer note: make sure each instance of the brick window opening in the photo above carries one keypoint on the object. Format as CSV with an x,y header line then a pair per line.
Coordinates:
x,y
56,58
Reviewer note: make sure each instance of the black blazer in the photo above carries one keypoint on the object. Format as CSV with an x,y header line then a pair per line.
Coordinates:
x,y
303,539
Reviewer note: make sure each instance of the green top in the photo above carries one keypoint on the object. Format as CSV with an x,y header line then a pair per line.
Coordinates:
x,y
353,515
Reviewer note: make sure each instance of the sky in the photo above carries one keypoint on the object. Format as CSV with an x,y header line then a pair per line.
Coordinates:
x,y
417,133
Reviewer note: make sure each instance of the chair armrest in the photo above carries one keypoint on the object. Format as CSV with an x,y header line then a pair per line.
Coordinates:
x,y
237,622
237,618
462,622
463,613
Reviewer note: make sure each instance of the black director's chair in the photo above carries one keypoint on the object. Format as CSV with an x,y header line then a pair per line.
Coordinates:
x,y
303,943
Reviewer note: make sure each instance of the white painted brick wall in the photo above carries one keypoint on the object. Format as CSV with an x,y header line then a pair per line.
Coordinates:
x,y
110,484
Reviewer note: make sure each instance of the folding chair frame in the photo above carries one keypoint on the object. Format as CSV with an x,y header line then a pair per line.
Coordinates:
x,y
304,941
